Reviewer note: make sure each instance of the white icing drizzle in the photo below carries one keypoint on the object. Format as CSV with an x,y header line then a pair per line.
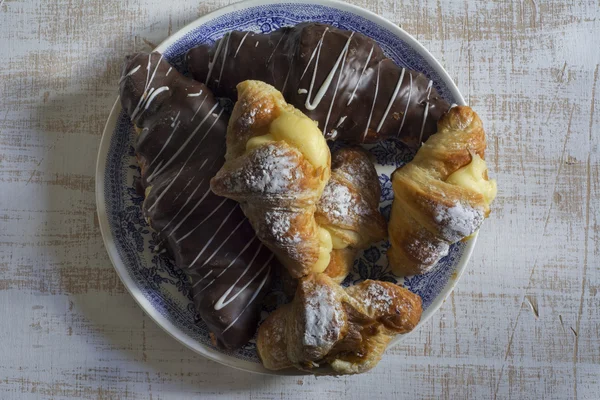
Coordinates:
x,y
191,153
429,86
160,163
200,280
214,234
256,45
154,94
133,71
223,243
201,222
177,123
240,45
274,49
175,119
160,196
312,56
234,260
323,89
341,121
199,107
194,94
337,85
166,142
184,205
407,103
224,301
224,58
360,77
212,64
256,292
183,146
186,216
302,91
149,80
389,106
184,188
286,80
169,71
373,106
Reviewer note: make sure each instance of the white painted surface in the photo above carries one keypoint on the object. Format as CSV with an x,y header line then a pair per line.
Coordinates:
x,y
70,330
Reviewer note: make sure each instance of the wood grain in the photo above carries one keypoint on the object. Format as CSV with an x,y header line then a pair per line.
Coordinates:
x,y
530,68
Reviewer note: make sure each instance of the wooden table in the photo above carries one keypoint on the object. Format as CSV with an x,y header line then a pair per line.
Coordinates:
x,y
524,322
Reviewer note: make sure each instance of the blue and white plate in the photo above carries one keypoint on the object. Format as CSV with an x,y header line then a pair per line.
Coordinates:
x,y
154,281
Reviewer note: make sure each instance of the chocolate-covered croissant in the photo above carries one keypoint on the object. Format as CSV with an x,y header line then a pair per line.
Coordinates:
x,y
340,79
180,146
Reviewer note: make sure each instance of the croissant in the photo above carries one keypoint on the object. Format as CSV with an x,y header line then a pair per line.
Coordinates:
x,y
349,209
180,145
441,196
329,330
277,165
339,78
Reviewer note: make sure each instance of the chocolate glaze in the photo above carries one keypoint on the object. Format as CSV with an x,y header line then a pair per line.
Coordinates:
x,y
181,145
369,100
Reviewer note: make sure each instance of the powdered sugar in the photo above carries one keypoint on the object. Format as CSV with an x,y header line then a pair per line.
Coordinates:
x,y
338,203
336,200
324,319
378,298
279,224
269,169
247,119
458,221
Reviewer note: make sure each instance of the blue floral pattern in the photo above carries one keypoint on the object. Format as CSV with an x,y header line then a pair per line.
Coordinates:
x,y
154,272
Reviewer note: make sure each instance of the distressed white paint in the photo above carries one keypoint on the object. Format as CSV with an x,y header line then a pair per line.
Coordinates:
x,y
70,330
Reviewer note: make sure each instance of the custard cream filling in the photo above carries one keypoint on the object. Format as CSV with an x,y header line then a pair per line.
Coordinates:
x,y
298,131
473,176
337,242
325,247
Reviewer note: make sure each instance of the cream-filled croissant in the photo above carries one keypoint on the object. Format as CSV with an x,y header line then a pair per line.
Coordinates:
x,y
330,330
441,196
349,209
276,166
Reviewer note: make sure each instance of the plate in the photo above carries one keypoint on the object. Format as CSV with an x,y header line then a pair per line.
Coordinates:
x,y
154,281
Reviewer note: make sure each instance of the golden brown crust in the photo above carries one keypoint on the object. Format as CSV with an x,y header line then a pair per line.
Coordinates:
x,y
341,263
429,214
330,330
273,338
349,208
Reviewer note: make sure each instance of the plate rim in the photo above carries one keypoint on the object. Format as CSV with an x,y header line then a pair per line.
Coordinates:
x,y
109,244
